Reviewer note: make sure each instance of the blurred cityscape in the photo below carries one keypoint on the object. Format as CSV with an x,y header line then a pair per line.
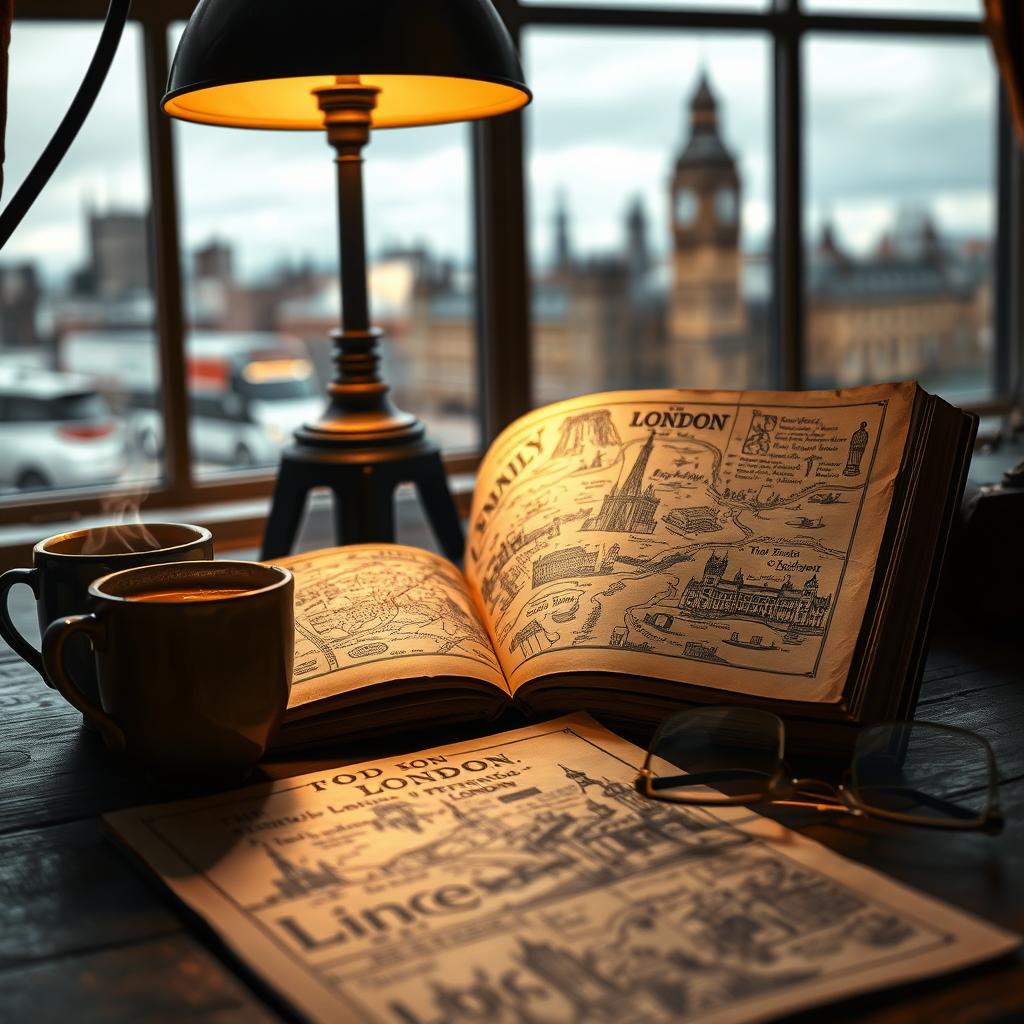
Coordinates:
x,y
916,305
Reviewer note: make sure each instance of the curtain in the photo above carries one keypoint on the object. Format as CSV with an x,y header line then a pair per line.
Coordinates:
x,y
6,16
1004,20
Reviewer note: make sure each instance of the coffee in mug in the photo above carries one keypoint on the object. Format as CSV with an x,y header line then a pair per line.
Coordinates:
x,y
185,595
63,567
194,663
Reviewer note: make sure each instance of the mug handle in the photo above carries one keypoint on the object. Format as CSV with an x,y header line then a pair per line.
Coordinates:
x,y
20,646
54,639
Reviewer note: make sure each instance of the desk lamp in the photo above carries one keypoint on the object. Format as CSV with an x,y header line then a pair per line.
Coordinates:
x,y
344,67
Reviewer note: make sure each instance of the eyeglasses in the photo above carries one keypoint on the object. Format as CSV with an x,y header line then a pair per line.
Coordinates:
x,y
915,773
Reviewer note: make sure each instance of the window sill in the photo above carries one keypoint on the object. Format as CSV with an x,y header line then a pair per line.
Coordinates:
x,y
238,525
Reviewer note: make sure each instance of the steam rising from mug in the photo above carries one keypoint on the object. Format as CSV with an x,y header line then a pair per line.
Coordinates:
x,y
126,533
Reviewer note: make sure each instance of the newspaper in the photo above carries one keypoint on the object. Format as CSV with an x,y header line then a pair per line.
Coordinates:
x,y
520,878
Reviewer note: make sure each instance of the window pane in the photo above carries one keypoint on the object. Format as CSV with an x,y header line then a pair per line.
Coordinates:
x,y
650,215
77,357
900,214
934,8
260,263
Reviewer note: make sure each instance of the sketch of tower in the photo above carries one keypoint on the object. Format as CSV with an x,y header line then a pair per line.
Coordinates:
x,y
858,442
582,779
631,508
619,792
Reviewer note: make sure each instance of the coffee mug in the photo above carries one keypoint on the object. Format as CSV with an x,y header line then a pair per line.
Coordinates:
x,y
194,661
63,566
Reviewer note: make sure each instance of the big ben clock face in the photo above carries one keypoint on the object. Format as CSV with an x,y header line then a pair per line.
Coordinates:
x,y
725,206
686,206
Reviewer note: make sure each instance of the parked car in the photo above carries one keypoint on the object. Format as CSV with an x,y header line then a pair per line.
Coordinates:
x,y
57,430
248,390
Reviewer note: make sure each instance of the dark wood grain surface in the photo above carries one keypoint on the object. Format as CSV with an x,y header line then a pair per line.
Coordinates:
x,y
87,936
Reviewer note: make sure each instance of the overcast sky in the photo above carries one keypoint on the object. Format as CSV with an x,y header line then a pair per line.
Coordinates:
x,y
889,124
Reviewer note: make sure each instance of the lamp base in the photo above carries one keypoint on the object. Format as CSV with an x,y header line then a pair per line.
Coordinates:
x,y
359,411
362,478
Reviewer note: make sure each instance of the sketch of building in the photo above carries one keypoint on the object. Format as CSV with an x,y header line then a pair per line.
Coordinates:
x,y
532,639
564,564
575,977
631,508
500,587
297,880
398,816
659,620
702,651
703,519
499,581
618,637
712,596
593,428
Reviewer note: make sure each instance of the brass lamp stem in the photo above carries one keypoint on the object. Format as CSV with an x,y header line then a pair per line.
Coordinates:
x,y
360,410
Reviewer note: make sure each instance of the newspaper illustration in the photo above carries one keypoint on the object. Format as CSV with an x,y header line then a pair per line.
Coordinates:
x,y
641,533
358,619
522,878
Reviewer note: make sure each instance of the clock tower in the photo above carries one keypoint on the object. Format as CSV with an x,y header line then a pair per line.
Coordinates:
x,y
707,317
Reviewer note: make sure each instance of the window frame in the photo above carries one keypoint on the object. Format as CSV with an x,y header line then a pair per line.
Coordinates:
x,y
502,321
500,195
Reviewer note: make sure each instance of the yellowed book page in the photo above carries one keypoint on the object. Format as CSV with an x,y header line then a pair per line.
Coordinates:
x,y
521,877
374,613
721,539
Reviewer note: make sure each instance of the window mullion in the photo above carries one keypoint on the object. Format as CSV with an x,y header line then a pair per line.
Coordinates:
x,y
788,309
503,290
1007,263
167,280
503,321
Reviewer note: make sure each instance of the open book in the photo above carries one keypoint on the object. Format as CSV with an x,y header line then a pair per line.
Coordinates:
x,y
635,551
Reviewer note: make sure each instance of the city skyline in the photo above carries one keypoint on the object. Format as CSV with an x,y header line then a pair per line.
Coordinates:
x,y
280,207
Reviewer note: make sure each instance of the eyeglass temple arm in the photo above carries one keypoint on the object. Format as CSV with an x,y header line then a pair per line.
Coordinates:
x,y
994,823
703,778
937,803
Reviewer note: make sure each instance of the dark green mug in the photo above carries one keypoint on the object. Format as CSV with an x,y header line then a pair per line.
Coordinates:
x,y
63,566
194,661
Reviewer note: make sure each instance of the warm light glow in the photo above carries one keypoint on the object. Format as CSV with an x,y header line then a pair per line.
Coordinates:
x,y
403,100
277,369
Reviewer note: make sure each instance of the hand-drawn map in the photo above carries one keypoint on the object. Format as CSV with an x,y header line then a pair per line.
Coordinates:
x,y
362,609
521,879
717,533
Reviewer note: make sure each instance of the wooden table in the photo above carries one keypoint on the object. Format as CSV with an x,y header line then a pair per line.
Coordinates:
x,y
85,936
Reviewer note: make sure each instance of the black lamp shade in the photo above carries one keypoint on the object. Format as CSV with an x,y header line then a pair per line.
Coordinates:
x,y
254,63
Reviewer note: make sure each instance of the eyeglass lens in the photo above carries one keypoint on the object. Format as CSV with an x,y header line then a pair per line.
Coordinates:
x,y
727,753
923,772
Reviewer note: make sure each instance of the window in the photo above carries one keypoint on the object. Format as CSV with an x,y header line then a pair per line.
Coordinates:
x,y
900,214
75,279
731,186
650,210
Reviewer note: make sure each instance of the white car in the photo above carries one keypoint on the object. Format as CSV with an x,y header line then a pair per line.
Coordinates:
x,y
248,390
56,430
